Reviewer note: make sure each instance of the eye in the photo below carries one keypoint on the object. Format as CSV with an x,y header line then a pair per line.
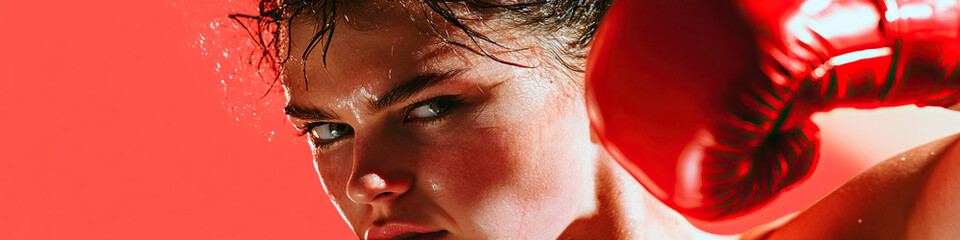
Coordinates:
x,y
432,108
328,132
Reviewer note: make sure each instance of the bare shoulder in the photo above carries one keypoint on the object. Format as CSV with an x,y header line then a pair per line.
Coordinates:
x,y
936,214
914,195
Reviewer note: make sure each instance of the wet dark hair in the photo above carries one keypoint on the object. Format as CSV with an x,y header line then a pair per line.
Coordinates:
x,y
570,25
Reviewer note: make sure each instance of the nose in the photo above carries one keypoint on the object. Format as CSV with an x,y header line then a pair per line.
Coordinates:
x,y
380,173
371,186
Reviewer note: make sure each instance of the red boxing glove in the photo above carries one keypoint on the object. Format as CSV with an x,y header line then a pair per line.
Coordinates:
x,y
708,102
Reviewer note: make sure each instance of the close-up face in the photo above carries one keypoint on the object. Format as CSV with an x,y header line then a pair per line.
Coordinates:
x,y
414,134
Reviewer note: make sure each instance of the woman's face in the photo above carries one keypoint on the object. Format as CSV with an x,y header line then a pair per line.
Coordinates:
x,y
411,134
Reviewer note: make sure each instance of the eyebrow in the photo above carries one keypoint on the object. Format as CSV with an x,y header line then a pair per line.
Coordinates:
x,y
395,95
410,88
320,114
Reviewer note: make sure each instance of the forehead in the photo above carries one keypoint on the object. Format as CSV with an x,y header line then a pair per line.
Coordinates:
x,y
369,51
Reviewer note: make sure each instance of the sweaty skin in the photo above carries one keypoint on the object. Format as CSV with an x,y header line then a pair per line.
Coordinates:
x,y
513,159
913,195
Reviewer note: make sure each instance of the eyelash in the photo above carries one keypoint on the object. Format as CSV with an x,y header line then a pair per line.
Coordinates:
x,y
454,100
317,143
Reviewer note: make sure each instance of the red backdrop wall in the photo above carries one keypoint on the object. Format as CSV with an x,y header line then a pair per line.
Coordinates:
x,y
115,125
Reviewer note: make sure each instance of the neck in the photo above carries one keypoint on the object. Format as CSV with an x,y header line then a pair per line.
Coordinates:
x,y
623,209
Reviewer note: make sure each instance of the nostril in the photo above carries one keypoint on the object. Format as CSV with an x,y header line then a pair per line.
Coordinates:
x,y
381,196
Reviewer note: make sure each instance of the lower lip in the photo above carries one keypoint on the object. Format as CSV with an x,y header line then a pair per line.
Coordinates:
x,y
403,230
427,236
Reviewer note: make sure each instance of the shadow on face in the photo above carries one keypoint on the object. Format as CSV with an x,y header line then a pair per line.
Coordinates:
x,y
409,129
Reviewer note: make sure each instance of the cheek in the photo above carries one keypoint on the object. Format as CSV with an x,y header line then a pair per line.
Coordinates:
x,y
334,171
521,164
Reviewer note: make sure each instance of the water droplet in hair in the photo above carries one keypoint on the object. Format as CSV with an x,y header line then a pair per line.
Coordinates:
x,y
248,91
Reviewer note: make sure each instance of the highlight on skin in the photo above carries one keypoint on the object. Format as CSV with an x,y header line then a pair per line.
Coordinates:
x,y
459,119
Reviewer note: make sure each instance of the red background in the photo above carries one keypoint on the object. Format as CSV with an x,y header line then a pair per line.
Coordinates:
x,y
115,125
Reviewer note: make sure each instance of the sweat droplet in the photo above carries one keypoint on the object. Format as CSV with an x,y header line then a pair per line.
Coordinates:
x,y
903,158
859,220
248,86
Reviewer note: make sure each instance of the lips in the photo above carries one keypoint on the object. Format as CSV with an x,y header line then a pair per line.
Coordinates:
x,y
403,230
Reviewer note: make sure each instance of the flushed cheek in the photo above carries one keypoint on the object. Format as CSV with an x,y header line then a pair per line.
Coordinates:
x,y
473,179
465,167
506,180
